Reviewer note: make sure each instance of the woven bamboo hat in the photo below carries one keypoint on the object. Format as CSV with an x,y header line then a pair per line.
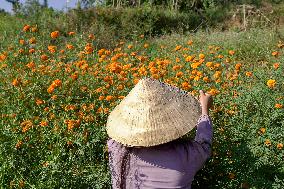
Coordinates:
x,y
153,113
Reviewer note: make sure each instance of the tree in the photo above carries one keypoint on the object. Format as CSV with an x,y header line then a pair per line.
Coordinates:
x,y
15,4
45,4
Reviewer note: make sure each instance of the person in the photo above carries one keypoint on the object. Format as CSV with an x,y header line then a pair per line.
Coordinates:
x,y
146,148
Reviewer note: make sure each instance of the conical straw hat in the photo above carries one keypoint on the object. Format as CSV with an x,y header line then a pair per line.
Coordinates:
x,y
153,113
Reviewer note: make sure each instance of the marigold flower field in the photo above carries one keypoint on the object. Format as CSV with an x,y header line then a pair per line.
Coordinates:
x,y
57,89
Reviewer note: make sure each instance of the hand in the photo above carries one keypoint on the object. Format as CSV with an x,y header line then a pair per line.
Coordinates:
x,y
206,102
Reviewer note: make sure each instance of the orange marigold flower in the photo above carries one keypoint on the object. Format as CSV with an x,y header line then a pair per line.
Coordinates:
x,y
109,98
32,40
71,33
262,130
146,45
50,89
276,66
22,42
231,176
275,53
39,102
280,44
69,46
54,34
271,83
120,87
178,47
19,144
101,97
44,57
120,97
31,51
57,83
186,85
34,29
16,82
26,28
238,66
43,123
267,142
213,92
231,52
130,46
31,65
248,74
206,79
179,74
189,42
52,48
279,146
278,106
91,36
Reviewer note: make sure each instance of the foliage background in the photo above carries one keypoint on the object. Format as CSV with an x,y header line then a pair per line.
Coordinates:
x,y
248,128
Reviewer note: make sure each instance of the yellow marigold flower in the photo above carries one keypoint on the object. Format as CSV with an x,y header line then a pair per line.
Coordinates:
x,y
146,45
267,142
279,146
189,58
201,56
54,34
271,83
278,106
209,64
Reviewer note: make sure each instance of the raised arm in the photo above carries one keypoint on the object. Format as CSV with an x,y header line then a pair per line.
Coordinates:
x,y
200,147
